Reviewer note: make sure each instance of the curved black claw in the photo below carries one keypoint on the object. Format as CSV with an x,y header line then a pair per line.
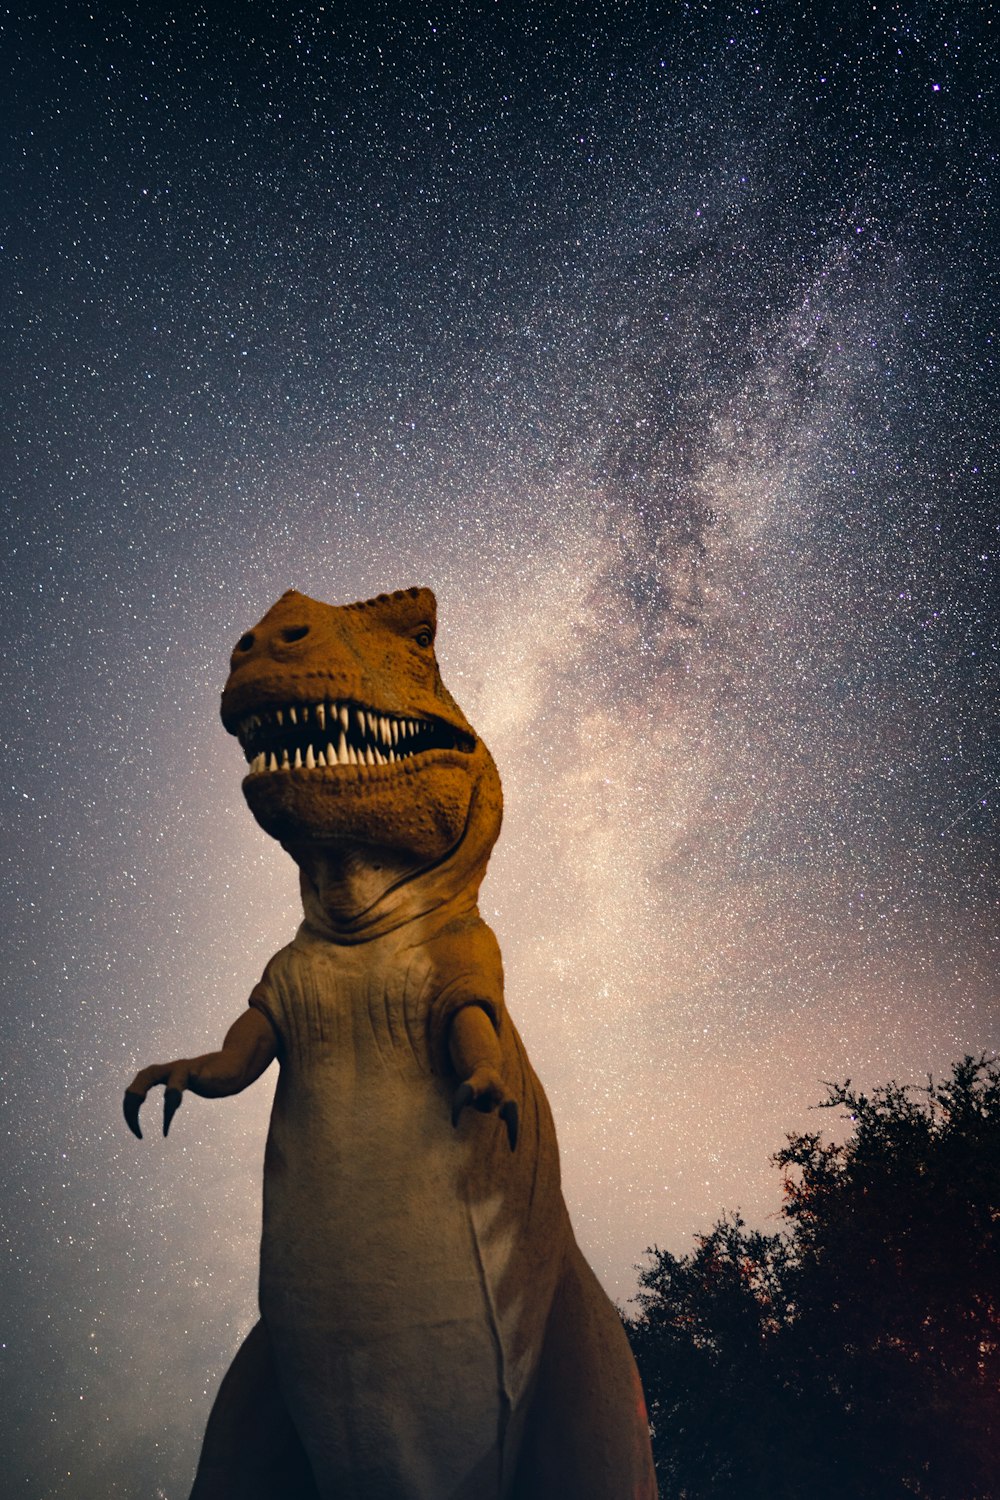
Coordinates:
x,y
508,1114
464,1095
131,1105
171,1104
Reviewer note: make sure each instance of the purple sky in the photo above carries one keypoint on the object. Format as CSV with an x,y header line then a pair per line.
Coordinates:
x,y
663,350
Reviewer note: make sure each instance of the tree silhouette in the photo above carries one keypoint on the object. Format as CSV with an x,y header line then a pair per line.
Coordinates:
x,y
857,1353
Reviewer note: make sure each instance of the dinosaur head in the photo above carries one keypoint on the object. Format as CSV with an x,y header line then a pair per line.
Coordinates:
x,y
350,734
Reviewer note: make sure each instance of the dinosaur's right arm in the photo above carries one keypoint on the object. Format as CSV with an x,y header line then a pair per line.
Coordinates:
x,y
249,1047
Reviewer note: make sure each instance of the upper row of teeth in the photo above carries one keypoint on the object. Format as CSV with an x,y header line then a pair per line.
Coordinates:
x,y
389,730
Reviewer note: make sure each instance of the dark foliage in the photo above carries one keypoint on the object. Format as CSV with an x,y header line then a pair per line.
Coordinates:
x,y
857,1353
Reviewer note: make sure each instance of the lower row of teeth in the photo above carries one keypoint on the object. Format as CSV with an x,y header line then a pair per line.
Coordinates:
x,y
344,755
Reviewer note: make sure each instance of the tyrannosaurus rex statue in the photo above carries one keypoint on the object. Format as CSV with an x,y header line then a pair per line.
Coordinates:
x,y
429,1329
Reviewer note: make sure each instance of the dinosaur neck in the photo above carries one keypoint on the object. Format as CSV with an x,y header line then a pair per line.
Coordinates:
x,y
353,892
343,883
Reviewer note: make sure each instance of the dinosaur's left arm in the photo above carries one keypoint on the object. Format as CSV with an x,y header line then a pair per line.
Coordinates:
x,y
474,1049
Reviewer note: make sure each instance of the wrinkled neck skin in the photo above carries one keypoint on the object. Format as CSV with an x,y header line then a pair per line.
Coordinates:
x,y
347,882
353,892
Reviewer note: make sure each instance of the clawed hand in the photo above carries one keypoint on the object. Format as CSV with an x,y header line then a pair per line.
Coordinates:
x,y
485,1091
174,1074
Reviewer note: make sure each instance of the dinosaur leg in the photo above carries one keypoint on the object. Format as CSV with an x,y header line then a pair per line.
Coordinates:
x,y
586,1432
251,1449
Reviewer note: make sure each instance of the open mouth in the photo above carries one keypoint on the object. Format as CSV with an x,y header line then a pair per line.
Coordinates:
x,y
312,735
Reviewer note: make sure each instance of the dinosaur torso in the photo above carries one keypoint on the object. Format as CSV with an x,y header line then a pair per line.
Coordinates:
x,y
396,1249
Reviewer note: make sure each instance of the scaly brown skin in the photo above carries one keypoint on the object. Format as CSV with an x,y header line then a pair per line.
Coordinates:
x,y
429,1328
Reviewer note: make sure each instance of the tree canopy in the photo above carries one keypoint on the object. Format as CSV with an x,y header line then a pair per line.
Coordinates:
x,y
856,1353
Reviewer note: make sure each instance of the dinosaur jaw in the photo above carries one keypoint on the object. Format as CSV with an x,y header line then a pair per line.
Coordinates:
x,y
343,773
338,735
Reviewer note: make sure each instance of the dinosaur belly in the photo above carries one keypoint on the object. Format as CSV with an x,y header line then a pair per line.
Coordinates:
x,y
375,1294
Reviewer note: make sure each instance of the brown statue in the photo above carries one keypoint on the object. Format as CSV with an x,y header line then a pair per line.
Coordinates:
x,y
429,1329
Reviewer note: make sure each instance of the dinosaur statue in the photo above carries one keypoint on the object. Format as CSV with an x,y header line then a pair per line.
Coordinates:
x,y
429,1329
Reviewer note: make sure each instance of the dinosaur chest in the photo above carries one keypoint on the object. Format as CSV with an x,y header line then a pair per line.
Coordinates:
x,y
346,1016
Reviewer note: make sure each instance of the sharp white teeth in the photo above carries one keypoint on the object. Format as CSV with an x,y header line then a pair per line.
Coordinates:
x,y
279,716
257,764
359,715
293,716
298,758
320,759
352,756
369,756
272,764
310,759
383,730
321,716
394,726
331,756
341,750
379,757
284,761
392,755
344,716
372,723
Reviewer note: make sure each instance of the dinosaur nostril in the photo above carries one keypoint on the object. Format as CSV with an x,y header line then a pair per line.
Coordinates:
x,y
245,641
294,632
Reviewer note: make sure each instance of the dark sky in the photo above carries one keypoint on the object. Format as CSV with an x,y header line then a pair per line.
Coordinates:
x,y
661,343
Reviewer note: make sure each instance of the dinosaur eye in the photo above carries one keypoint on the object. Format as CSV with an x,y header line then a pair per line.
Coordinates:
x,y
294,633
245,641
424,636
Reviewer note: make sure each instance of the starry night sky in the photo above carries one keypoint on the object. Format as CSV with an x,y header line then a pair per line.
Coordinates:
x,y
661,343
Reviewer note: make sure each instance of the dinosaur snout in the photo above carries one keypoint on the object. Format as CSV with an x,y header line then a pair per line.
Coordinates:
x,y
283,633
256,642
